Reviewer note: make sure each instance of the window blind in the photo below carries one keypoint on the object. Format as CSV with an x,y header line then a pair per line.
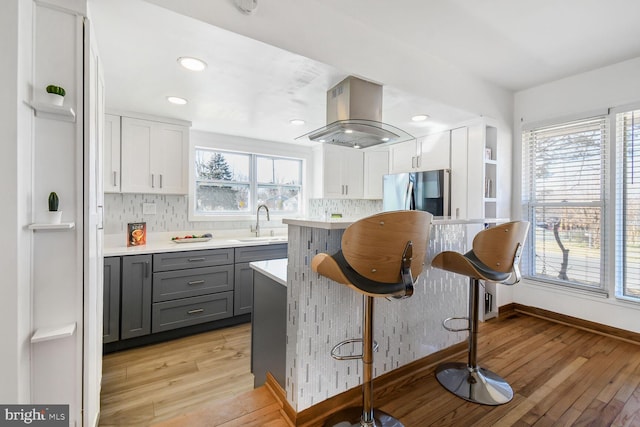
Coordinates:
x,y
628,204
564,197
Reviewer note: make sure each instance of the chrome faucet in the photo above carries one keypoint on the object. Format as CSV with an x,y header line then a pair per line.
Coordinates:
x,y
258,218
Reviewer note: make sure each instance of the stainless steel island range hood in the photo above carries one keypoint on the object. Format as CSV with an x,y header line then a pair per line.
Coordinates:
x,y
354,117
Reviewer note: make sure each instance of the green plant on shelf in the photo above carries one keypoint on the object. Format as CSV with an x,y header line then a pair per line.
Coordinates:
x,y
54,201
56,90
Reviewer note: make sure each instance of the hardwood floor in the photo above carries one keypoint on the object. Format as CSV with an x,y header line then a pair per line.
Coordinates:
x,y
561,376
145,385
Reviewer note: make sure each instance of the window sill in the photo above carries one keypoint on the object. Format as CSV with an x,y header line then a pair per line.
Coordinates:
x,y
566,288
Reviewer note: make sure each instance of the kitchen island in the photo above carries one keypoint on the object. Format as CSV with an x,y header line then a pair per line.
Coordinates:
x,y
321,313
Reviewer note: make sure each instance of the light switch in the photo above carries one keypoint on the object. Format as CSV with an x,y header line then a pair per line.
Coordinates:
x,y
148,209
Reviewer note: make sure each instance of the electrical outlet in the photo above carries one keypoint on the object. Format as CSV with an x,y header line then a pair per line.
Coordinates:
x,y
148,209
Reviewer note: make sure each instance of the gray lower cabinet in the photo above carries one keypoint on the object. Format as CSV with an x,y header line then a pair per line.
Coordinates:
x,y
111,311
191,311
135,312
192,287
243,292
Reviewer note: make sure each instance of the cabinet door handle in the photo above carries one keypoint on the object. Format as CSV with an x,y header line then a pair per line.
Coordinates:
x,y
346,189
147,268
195,259
413,161
160,180
196,282
196,311
418,161
153,183
114,179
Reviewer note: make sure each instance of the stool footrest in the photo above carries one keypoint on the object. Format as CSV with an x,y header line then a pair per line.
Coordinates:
x,y
335,351
446,321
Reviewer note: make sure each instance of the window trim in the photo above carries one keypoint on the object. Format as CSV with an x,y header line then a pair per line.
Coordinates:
x,y
230,143
605,203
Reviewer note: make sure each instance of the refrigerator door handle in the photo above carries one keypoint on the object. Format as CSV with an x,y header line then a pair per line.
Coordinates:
x,y
409,197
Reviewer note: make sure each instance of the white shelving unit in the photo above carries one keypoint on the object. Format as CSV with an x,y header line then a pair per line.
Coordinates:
x,y
61,226
48,334
50,111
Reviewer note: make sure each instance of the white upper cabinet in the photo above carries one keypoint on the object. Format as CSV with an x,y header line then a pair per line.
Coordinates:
x,y
435,151
430,152
339,172
376,166
474,167
111,154
403,157
154,157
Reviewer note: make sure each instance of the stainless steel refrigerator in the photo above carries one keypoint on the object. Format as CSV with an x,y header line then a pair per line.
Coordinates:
x,y
424,191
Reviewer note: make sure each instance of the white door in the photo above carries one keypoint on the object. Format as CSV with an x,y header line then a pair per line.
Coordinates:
x,y
93,208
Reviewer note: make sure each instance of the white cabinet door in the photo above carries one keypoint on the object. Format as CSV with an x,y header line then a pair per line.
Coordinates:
x,y
154,157
111,157
475,171
459,174
333,186
403,157
353,174
435,151
136,156
376,166
169,158
341,173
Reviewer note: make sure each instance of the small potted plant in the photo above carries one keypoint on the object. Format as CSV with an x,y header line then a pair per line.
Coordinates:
x,y
55,216
56,94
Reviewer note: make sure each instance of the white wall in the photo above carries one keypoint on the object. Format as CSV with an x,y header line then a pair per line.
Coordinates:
x,y
15,171
611,86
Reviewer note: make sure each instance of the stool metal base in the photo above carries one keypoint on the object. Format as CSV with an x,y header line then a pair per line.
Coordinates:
x,y
476,385
351,417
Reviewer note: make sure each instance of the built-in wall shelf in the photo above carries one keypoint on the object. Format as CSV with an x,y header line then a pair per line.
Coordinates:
x,y
50,111
48,334
46,226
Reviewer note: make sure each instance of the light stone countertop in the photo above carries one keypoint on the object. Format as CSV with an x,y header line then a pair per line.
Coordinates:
x,y
115,244
342,223
275,269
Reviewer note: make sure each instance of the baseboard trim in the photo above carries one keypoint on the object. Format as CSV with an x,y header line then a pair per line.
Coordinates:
x,y
383,385
586,325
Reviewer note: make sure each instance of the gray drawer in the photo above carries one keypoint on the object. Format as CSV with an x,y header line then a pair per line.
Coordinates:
x,y
191,311
261,253
169,285
191,259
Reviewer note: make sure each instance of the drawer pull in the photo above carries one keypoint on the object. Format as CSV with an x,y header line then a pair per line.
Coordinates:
x,y
196,282
195,259
199,310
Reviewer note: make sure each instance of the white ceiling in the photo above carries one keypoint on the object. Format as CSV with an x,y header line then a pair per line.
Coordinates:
x,y
253,89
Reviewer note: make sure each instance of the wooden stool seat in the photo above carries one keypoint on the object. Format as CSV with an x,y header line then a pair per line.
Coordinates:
x,y
380,256
495,257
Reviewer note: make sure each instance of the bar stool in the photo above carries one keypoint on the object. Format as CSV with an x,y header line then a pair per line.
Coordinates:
x,y
494,258
380,256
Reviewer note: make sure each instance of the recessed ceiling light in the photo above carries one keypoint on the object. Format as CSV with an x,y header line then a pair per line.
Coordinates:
x,y
348,131
297,122
322,140
176,100
356,145
193,64
420,118
385,139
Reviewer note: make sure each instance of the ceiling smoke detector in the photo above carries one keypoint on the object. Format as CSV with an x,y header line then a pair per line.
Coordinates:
x,y
247,6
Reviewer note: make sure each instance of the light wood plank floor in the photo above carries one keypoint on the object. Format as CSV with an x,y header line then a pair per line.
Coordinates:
x,y
562,376
156,382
